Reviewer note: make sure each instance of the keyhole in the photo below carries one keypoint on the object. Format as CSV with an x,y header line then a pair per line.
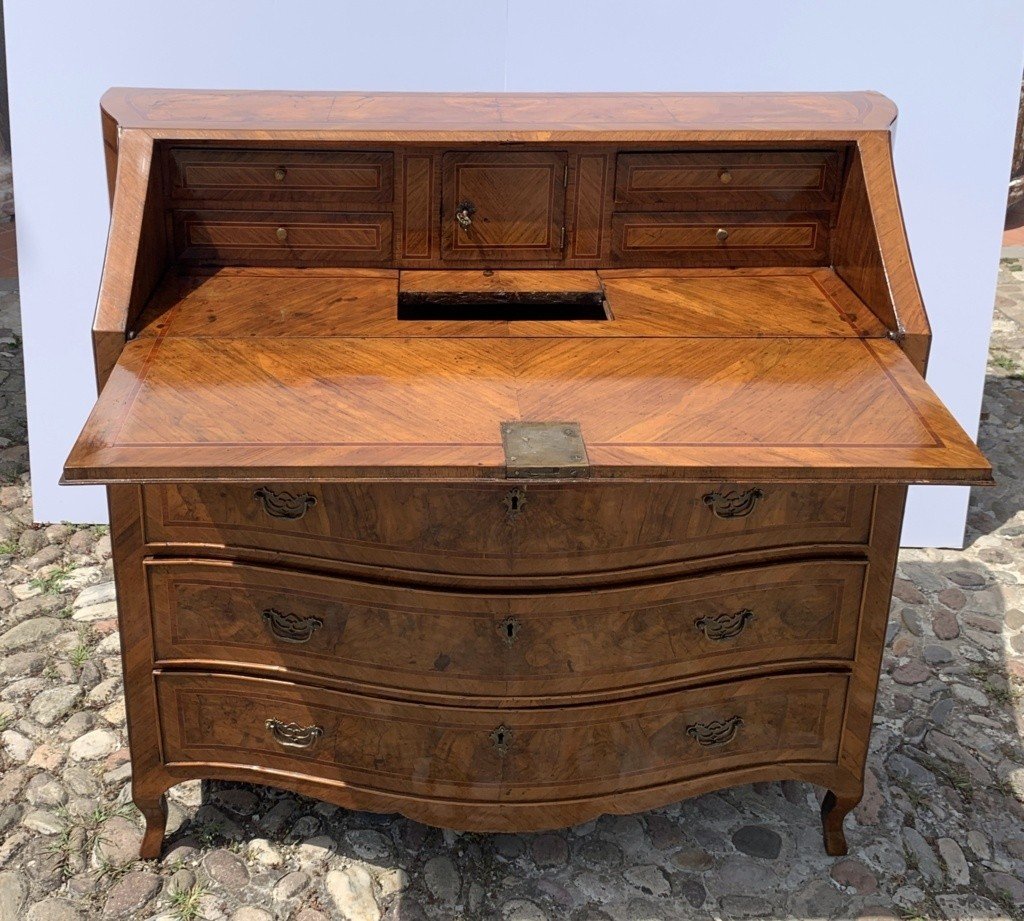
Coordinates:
x,y
501,738
515,502
509,630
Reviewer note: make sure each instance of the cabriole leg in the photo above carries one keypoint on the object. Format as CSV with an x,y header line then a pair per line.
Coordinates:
x,y
154,809
833,810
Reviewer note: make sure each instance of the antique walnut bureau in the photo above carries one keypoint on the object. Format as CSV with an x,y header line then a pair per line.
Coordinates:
x,y
506,460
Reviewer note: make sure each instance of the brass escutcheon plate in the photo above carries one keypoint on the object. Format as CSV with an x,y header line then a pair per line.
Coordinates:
x,y
544,450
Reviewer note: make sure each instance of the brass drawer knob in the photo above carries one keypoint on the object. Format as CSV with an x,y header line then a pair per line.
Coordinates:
x,y
280,173
292,628
725,177
282,233
501,739
723,626
717,732
292,735
284,504
733,504
721,234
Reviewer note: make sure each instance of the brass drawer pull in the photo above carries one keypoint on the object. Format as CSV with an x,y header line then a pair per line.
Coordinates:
x,y
717,732
464,215
282,234
284,504
733,504
501,738
292,735
280,173
723,626
514,502
725,177
292,628
508,630
721,235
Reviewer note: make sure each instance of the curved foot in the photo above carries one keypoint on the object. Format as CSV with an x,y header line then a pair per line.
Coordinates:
x,y
833,810
154,810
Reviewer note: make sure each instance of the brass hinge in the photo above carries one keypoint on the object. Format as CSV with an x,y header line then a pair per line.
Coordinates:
x,y
544,450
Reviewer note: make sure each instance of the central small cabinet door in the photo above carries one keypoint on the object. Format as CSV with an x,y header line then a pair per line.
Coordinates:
x,y
503,205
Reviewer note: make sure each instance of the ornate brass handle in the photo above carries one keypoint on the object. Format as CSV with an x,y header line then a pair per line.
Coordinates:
x,y
464,215
292,628
284,504
501,738
717,732
723,626
292,735
733,504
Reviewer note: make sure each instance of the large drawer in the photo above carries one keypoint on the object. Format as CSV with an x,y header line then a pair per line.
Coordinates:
x,y
211,237
223,614
726,180
488,755
312,176
498,528
713,238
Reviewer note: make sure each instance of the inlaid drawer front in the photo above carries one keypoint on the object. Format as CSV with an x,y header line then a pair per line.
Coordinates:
x,y
281,175
499,755
508,205
728,180
719,238
491,644
497,528
282,238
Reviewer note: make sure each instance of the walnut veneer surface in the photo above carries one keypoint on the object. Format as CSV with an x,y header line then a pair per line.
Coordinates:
x,y
321,317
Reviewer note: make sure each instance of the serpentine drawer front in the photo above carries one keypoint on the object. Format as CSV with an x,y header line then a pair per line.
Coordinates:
x,y
230,615
525,528
503,461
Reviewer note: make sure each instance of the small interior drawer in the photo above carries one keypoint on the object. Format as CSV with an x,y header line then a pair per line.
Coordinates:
x,y
281,175
728,179
719,238
282,238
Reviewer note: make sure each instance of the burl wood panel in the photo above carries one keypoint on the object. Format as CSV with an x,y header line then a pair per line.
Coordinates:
x,y
471,755
210,237
719,238
516,202
203,173
728,180
524,528
221,615
855,410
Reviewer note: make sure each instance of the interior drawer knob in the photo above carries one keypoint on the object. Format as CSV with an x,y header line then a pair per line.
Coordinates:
x,y
721,234
280,173
282,233
464,215
292,735
733,504
725,177
717,732
723,626
284,504
292,628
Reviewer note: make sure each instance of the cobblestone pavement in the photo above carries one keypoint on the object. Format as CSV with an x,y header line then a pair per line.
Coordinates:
x,y
940,833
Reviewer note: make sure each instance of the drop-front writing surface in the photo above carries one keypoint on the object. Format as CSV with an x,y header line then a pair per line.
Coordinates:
x,y
328,327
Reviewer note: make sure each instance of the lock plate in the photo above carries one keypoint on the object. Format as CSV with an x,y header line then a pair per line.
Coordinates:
x,y
544,450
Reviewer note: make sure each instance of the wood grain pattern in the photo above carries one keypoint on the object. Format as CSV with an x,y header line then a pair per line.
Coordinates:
x,y
719,238
562,528
579,753
326,581
728,180
184,409
518,200
395,639
202,173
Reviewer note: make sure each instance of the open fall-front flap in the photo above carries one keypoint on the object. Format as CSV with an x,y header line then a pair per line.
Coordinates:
x,y
226,403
